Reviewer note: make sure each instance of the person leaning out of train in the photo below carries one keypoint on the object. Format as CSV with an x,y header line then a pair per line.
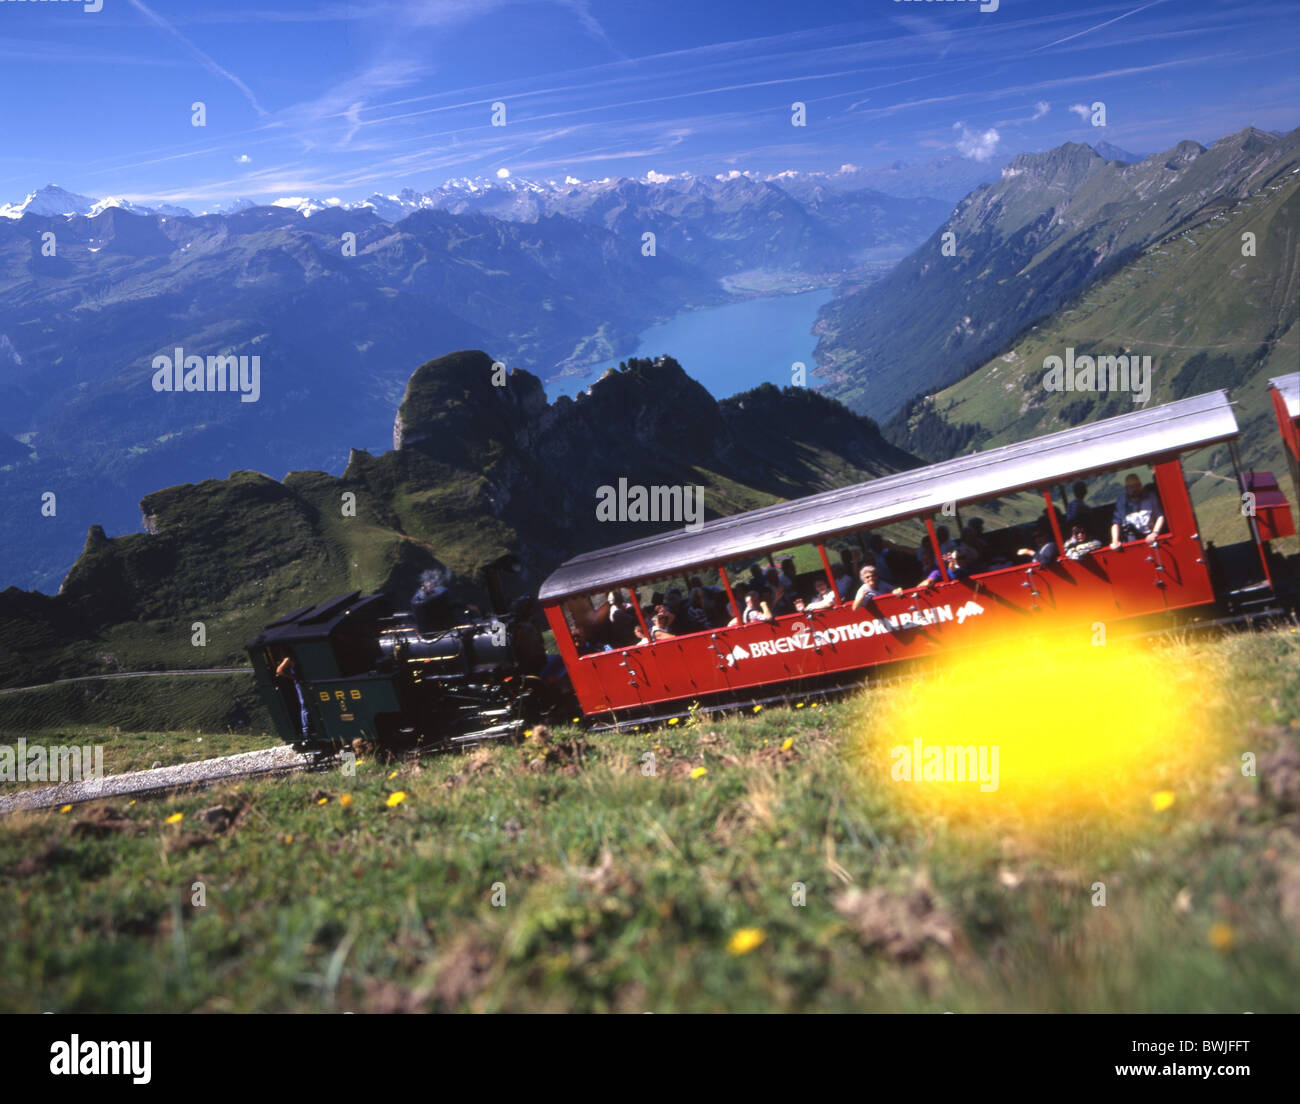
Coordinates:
x,y
661,624
1138,514
871,586
824,598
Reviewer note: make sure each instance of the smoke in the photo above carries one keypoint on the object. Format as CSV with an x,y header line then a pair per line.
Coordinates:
x,y
434,577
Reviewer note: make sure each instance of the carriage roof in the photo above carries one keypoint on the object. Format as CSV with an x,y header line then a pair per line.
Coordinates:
x,y
1161,430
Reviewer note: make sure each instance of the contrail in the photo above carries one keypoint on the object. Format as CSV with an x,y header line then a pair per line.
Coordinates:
x,y
207,63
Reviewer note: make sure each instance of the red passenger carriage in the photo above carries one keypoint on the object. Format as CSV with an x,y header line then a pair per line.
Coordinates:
x,y
834,645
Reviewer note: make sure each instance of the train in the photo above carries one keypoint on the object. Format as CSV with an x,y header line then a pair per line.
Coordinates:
x,y
441,675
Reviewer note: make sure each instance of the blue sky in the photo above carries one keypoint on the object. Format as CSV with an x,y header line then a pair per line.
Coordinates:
x,y
343,98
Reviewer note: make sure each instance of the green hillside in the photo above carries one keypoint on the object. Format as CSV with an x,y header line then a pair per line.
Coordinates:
x,y
1053,227
1207,316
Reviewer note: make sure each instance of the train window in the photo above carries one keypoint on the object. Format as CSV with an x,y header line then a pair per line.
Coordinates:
x,y
1103,492
994,534
786,580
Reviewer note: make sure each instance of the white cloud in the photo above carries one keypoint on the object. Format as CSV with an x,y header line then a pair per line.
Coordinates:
x,y
658,177
503,174
572,180
849,168
243,159
1041,108
979,145
1081,110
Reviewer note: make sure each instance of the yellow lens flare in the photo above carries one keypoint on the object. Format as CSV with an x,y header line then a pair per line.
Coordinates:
x,y
1044,727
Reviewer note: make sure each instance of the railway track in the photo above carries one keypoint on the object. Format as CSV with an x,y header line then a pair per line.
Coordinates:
x,y
130,675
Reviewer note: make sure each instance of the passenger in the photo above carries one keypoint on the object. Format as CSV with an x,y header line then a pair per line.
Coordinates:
x,y
876,546
1138,514
782,600
661,625
755,575
930,568
870,588
641,637
788,573
847,571
755,608
960,562
622,621
700,610
1077,510
1079,543
971,542
800,606
824,598
1044,550
973,539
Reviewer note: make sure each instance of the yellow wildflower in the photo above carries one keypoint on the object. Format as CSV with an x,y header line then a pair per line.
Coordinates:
x,y
395,799
699,772
1162,800
1221,937
745,940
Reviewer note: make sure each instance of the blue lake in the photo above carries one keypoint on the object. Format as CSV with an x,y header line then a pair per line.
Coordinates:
x,y
728,349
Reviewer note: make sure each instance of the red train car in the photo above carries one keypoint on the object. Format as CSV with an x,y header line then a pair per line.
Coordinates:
x,y
835,645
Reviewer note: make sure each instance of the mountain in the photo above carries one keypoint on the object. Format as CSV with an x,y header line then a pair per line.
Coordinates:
x,y
561,282
53,200
1114,153
1208,317
477,470
79,332
1052,226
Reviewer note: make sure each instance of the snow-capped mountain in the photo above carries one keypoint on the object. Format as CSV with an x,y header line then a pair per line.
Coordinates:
x,y
517,199
52,201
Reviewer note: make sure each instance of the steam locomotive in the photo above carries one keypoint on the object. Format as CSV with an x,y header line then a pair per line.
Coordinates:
x,y
351,669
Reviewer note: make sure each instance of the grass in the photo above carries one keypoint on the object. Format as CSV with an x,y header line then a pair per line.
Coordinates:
x,y
559,876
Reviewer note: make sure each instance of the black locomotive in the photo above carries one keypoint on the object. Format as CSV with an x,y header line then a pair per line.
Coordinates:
x,y
351,669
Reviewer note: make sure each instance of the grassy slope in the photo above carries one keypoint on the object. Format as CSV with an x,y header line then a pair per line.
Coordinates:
x,y
1193,295
623,891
